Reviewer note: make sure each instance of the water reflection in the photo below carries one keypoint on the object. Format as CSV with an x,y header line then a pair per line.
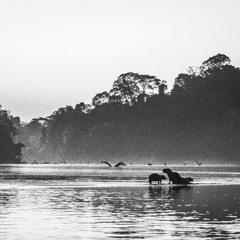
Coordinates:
x,y
158,190
55,208
156,211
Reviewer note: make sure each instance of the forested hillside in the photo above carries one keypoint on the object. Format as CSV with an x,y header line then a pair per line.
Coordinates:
x,y
10,151
137,119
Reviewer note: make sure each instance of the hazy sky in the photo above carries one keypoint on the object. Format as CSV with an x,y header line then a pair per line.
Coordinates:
x,y
55,53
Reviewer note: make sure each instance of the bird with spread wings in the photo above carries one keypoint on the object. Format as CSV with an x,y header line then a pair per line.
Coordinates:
x,y
116,165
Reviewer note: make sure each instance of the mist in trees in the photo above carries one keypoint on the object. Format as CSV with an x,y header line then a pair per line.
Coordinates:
x,y
137,119
10,151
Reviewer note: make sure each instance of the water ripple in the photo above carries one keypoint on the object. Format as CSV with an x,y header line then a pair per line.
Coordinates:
x,y
54,206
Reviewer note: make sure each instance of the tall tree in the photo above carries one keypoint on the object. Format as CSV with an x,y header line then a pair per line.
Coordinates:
x,y
100,98
9,151
125,88
217,61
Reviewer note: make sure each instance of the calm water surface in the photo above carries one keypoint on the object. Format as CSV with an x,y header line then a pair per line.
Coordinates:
x,y
97,202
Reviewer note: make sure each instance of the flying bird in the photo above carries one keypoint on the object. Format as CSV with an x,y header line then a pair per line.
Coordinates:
x,y
106,163
198,163
117,165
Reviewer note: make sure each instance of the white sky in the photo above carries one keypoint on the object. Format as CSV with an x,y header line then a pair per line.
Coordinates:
x,y
55,53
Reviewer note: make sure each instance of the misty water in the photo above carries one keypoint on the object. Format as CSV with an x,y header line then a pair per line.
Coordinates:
x,y
98,202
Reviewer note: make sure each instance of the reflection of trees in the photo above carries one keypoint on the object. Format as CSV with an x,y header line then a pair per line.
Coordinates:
x,y
197,209
170,190
177,211
199,203
7,197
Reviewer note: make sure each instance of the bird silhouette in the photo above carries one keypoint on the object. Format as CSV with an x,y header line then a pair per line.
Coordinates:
x,y
117,165
106,163
198,163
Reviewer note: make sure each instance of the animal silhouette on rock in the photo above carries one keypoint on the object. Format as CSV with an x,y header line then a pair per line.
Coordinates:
x,y
175,178
156,177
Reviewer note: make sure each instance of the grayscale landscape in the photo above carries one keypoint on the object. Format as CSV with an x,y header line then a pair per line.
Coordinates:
x,y
119,119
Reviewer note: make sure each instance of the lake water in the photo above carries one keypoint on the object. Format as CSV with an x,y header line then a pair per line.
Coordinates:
x,y
98,202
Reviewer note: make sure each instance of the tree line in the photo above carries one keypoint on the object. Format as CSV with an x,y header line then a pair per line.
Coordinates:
x,y
138,119
10,150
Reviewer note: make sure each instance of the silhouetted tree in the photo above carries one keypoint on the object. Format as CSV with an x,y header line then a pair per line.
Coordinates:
x,y
100,98
217,61
9,151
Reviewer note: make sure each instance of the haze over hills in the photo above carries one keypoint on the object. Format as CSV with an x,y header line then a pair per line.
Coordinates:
x,y
198,120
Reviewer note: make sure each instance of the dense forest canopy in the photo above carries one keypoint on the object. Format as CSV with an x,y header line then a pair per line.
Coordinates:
x,y
137,119
10,152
